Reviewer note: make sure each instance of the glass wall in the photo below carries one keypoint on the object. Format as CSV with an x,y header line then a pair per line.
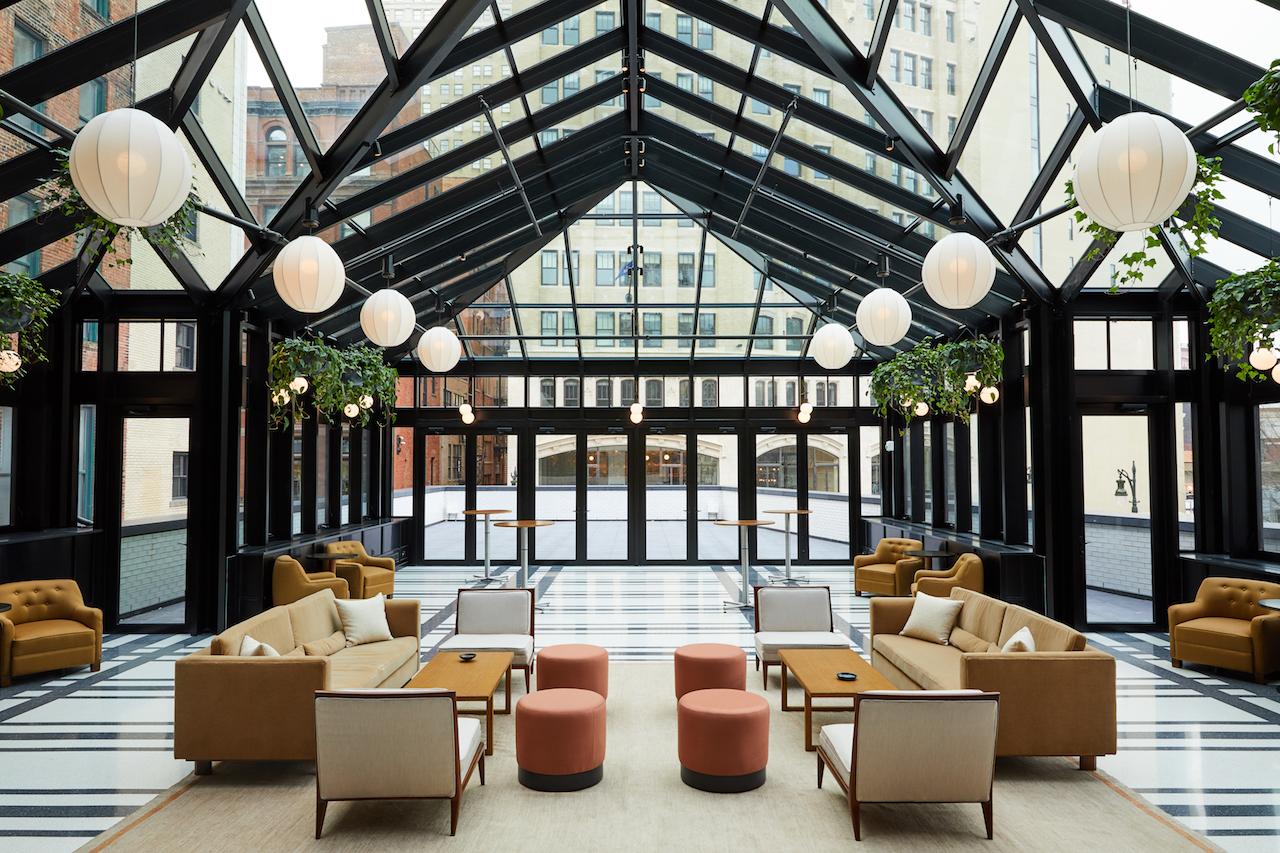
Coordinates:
x,y
322,475
556,496
717,496
154,488
496,459
828,470
6,466
975,494
1184,475
401,471
872,471
446,496
666,497
1269,475
777,487
607,497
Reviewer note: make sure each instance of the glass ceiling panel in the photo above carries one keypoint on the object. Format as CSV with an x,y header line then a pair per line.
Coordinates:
x,y
1244,28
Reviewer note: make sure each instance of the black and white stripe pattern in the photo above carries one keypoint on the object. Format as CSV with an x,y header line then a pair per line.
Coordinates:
x,y
79,750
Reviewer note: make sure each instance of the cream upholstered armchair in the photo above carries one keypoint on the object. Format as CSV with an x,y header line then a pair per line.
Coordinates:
x,y
290,582
888,571
496,620
1225,627
914,746
366,575
965,572
394,745
49,627
793,617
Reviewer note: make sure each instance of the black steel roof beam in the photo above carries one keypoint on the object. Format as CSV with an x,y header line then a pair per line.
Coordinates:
x,y
1089,263
631,18
879,39
386,43
511,167
1053,165
216,169
1154,43
530,22
15,105
1001,40
199,60
427,53
844,62
764,167
1065,56
294,111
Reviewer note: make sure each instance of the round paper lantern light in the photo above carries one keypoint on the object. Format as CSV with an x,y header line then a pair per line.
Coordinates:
x,y
10,361
366,402
308,274
1134,172
439,349
129,168
387,318
299,385
1263,358
989,394
971,383
958,271
921,409
1275,374
351,410
804,417
883,317
832,346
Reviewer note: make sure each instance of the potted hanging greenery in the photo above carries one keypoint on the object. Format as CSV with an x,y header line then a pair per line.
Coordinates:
x,y
937,378
341,383
1196,230
171,235
1262,100
25,308
1244,313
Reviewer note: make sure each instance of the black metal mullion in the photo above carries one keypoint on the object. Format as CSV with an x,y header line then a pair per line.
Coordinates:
x,y
1001,40
294,111
879,39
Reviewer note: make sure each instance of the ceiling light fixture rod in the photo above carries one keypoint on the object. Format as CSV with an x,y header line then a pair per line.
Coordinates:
x,y
1017,228
511,166
35,115
1217,118
764,167
253,229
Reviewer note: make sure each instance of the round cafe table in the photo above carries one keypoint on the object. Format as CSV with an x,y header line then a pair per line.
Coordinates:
x,y
786,515
524,525
927,556
744,601
485,513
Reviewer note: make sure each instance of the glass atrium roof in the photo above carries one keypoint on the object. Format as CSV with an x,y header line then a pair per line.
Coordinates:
x,y
772,153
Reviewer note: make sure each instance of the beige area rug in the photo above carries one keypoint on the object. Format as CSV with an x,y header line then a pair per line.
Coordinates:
x,y
1040,804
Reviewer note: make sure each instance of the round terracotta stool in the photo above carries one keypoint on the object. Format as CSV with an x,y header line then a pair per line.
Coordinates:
x,y
574,665
701,666
560,739
724,740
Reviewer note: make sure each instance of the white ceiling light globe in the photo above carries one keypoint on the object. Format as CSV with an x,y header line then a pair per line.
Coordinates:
x,y
10,361
1263,358
299,385
351,410
1275,374
439,349
806,408
958,271
971,383
464,408
281,397
1134,172
468,418
637,407
366,402
804,417
883,317
922,409
309,275
130,168
832,346
989,394
387,318
636,417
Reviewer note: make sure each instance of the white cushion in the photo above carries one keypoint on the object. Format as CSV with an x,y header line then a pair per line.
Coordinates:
x,y
505,611
794,608
837,743
768,643
1021,641
932,618
520,645
364,620
251,648
470,738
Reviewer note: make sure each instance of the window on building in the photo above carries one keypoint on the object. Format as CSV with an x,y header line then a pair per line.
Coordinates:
x,y
653,20
819,175
822,97
791,166
604,22
706,329
926,73
652,328
895,65
22,208
570,28
550,267
550,327
551,35
684,326
950,25
569,326
909,69
706,36
626,392
184,346
604,268
926,20
604,328
684,269
685,386
181,474
626,326
684,29
547,393
652,208
795,328
759,108
951,77
709,269
652,269
764,326
93,99
551,92
604,387
277,162
707,88
572,395
710,392
653,392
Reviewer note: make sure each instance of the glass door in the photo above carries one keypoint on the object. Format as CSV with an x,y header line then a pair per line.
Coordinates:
x,y
717,495
155,482
666,497
828,498
496,459
1117,518
607,497
445,496
556,497
777,487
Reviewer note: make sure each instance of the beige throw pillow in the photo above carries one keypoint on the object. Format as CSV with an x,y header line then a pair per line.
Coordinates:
x,y
251,648
966,642
364,620
331,644
932,618
1021,641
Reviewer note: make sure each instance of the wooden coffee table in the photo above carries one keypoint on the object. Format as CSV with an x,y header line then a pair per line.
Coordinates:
x,y
471,681
815,670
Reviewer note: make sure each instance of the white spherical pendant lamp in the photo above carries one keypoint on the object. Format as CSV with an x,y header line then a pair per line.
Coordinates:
x,y
309,275
387,318
130,168
1263,358
351,410
1134,172
832,346
439,349
10,361
883,317
958,271
989,394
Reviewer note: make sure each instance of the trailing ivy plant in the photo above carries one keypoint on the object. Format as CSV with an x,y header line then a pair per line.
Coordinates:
x,y
982,357
25,308
1243,311
170,236
335,378
1196,230
1262,100
935,374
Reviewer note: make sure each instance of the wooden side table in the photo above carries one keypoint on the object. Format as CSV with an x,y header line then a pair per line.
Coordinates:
x,y
471,681
786,515
743,602
486,514
815,670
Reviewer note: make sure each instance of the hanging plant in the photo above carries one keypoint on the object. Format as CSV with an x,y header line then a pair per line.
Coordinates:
x,y
1196,230
936,375
1243,312
340,383
982,357
172,235
1262,100
25,308
372,383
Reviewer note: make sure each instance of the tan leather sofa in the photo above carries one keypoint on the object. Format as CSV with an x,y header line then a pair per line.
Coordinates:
x,y
228,707
887,571
1225,627
290,582
366,576
49,628
965,573
1058,700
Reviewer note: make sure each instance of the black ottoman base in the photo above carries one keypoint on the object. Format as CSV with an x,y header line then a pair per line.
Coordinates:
x,y
721,784
557,784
